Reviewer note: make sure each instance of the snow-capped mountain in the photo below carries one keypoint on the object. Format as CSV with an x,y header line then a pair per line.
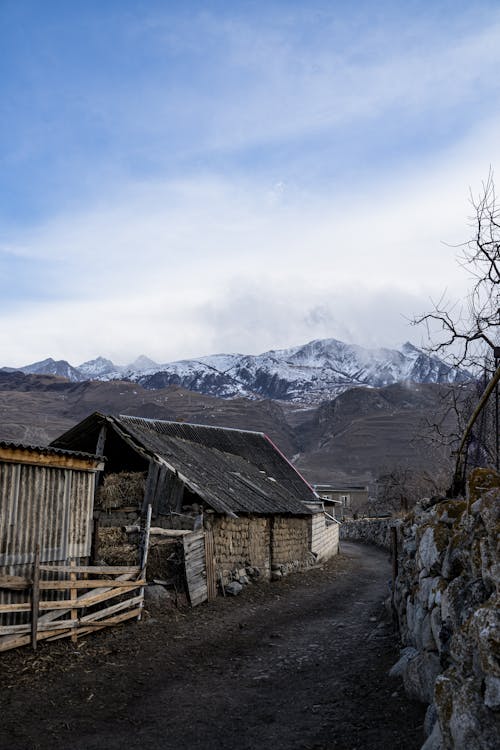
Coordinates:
x,y
50,366
314,372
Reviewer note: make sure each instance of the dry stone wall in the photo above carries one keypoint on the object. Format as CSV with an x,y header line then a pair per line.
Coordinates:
x,y
446,600
369,531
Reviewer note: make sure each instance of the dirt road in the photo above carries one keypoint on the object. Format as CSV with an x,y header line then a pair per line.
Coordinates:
x,y
300,664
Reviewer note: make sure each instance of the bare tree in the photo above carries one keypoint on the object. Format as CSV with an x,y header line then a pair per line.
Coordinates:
x,y
467,333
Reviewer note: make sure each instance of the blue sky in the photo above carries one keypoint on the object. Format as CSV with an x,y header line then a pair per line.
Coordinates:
x,y
179,179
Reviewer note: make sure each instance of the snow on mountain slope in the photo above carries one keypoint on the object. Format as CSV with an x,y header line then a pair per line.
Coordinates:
x,y
50,366
100,369
314,372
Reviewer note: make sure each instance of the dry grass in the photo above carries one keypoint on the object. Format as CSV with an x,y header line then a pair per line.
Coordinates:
x,y
114,548
125,489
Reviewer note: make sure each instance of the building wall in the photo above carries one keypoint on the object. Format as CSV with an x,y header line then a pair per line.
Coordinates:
x,y
241,542
324,537
267,543
291,541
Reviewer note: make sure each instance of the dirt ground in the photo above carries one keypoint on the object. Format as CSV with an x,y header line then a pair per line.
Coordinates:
x,y
299,664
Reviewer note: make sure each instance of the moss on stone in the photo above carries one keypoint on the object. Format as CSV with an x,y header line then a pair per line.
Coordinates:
x,y
480,481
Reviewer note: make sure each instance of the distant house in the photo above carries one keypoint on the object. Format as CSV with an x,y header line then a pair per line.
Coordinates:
x,y
346,500
236,485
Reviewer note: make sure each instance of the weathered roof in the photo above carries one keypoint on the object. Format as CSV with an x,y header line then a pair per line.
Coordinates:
x,y
233,471
48,456
47,450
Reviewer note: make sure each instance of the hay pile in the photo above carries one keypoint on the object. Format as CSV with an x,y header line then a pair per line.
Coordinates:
x,y
114,548
165,561
122,490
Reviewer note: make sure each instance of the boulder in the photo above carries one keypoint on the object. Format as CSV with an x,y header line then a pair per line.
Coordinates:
x,y
233,589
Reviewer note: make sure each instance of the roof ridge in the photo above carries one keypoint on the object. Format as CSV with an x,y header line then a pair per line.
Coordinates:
x,y
191,424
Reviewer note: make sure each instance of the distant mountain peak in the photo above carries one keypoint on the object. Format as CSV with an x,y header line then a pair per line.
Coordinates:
x,y
142,362
310,373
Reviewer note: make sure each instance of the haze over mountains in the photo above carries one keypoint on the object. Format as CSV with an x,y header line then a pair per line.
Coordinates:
x,y
307,374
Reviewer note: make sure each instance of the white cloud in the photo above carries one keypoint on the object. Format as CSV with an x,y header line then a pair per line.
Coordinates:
x,y
175,267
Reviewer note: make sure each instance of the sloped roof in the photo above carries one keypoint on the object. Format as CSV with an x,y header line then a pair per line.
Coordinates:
x,y
233,471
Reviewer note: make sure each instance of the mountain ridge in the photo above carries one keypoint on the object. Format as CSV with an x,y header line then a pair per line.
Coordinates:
x,y
310,373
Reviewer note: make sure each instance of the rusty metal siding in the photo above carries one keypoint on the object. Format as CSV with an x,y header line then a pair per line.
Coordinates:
x,y
45,505
42,505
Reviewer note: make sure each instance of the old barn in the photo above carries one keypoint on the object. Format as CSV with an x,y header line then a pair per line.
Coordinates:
x,y
254,509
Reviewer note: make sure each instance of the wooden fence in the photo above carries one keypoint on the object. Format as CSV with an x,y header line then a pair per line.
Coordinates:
x,y
83,606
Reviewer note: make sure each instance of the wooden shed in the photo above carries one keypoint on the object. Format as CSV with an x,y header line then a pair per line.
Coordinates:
x,y
48,589
46,500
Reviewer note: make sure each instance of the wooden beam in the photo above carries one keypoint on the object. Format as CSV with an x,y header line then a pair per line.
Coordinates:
x,y
35,596
53,460
97,569
115,583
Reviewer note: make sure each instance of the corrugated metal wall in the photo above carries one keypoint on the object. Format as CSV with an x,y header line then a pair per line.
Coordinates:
x,y
42,505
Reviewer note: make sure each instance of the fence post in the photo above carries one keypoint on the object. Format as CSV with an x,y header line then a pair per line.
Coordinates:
x,y
35,597
73,593
144,555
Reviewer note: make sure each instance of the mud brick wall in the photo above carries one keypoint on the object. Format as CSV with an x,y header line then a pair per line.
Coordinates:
x,y
324,539
291,540
241,542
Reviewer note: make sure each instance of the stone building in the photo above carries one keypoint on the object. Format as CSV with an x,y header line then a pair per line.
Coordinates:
x,y
346,500
258,511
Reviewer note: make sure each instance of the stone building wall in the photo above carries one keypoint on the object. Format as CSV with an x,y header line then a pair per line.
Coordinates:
x,y
291,542
279,543
240,543
324,537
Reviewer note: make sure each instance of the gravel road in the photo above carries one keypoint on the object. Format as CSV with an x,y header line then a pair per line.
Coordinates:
x,y
300,664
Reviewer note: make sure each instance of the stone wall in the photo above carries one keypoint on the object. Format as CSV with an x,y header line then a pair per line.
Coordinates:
x,y
277,545
446,599
240,543
324,537
290,545
369,531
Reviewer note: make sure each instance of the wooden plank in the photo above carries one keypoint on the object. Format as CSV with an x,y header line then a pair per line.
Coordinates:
x,y
67,604
35,596
97,569
100,625
144,555
57,461
210,566
17,583
8,643
112,610
157,531
72,595
194,564
89,584
20,607
73,624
